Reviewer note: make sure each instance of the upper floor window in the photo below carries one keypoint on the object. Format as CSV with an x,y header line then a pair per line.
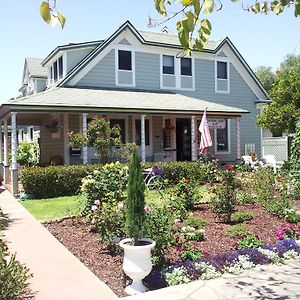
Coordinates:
x,y
125,60
222,77
55,71
168,64
186,66
222,70
60,67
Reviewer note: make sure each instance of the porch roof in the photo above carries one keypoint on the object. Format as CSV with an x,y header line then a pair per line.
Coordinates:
x,y
70,99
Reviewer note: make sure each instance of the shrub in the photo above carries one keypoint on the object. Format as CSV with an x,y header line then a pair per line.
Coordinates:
x,y
54,181
195,171
13,275
105,184
243,197
291,215
185,190
241,216
224,201
28,154
160,222
197,223
237,231
250,241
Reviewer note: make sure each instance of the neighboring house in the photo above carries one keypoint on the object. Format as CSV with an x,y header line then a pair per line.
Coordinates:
x,y
142,81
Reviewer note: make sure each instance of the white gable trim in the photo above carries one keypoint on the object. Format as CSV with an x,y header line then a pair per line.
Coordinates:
x,y
242,69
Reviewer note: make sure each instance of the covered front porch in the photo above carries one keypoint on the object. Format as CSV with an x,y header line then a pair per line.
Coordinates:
x,y
163,125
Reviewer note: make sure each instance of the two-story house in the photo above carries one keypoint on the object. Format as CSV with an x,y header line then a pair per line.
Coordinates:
x,y
142,81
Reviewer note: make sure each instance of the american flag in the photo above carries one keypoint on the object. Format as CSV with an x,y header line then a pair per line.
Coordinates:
x,y
205,134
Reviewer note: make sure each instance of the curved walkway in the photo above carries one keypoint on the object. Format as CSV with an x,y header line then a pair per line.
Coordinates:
x,y
58,274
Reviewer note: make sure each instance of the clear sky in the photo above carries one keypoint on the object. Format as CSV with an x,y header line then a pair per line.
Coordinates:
x,y
262,40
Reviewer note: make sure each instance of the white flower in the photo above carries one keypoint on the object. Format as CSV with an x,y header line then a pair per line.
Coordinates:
x,y
94,208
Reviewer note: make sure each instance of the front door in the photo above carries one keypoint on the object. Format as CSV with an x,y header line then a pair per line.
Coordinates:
x,y
183,139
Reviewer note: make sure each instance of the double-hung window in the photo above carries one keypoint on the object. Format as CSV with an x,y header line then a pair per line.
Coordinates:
x,y
222,77
125,60
138,136
186,66
168,64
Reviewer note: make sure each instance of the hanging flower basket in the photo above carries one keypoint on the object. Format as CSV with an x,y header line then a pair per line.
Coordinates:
x,y
169,127
53,126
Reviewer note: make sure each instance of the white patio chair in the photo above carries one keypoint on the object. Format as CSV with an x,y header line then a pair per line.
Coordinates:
x,y
249,162
270,160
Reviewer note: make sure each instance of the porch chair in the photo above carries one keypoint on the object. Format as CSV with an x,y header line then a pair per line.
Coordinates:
x,y
249,162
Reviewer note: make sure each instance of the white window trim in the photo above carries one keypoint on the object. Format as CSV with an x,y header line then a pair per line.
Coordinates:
x,y
132,71
222,59
177,74
149,148
228,137
121,117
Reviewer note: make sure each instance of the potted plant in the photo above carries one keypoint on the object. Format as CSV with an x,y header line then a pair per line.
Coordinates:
x,y
137,250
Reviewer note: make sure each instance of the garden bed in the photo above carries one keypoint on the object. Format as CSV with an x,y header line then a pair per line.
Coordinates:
x,y
78,238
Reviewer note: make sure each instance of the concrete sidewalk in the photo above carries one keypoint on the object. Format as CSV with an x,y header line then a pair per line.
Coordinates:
x,y
263,282
58,274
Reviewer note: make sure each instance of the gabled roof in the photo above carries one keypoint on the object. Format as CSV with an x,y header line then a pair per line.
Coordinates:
x,y
35,68
145,37
110,100
71,46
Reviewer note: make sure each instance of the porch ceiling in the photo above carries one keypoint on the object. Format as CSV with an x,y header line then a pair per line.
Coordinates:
x,y
111,100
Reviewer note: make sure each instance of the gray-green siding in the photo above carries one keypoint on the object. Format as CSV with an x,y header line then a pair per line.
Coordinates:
x,y
75,56
101,75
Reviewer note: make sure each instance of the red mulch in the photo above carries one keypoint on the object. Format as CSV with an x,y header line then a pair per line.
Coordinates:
x,y
78,238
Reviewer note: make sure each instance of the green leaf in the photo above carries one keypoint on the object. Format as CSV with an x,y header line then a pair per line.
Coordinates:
x,y
62,19
45,12
160,7
208,6
197,7
277,8
186,2
297,8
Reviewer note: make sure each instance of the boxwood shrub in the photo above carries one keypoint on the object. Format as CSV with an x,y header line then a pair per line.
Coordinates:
x,y
54,181
175,171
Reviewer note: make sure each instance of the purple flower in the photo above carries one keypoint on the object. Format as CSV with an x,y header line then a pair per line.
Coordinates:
x,y
97,202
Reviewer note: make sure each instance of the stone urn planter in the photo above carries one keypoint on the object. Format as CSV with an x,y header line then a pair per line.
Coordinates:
x,y
137,263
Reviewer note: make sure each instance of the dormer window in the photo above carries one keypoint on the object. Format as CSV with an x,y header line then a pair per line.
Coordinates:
x,y
56,70
186,66
125,61
168,64
222,70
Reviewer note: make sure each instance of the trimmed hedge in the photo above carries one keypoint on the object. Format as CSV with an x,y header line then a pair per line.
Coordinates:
x,y
175,171
54,181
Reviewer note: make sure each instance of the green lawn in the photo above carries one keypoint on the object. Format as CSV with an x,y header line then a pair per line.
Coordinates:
x,y
54,208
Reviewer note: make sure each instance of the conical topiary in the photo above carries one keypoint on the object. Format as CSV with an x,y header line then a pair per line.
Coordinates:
x,y
134,206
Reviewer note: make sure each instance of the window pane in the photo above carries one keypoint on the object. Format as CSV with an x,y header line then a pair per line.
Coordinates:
x,y
186,66
222,139
121,123
168,64
124,60
221,70
55,71
138,132
60,67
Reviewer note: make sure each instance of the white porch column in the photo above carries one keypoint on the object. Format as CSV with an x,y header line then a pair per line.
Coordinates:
x,y
84,132
66,139
14,149
193,138
5,158
143,139
238,138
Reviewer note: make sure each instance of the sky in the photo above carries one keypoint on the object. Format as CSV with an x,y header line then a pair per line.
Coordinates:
x,y
262,40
